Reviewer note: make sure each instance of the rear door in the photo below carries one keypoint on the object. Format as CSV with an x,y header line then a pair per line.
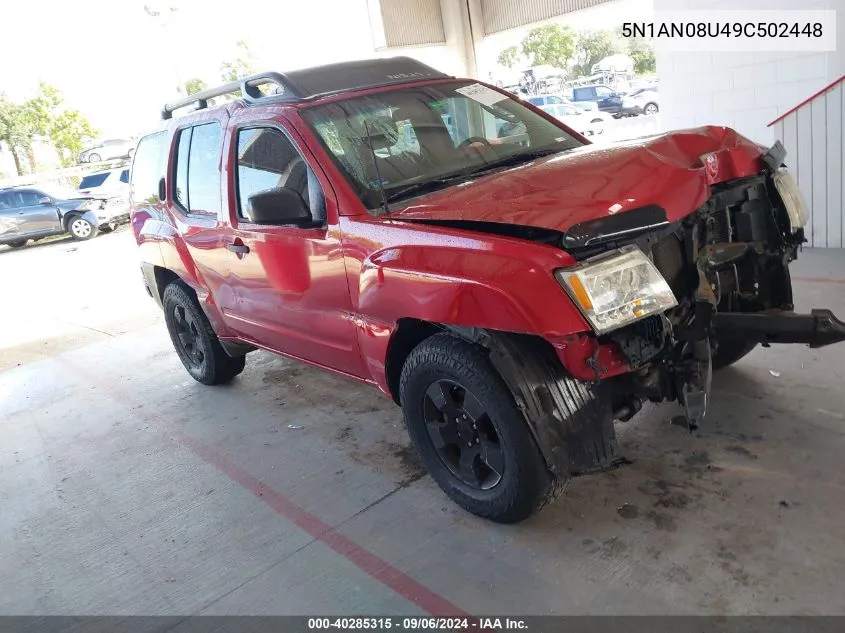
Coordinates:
x,y
10,222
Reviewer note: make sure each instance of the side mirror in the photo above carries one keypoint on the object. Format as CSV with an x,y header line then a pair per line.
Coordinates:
x,y
45,200
278,206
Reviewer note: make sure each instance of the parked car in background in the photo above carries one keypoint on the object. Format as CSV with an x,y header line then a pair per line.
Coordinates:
x,y
32,213
583,122
641,101
110,183
605,98
108,149
549,99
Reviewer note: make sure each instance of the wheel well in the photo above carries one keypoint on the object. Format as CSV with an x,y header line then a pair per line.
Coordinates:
x,y
165,276
408,334
68,217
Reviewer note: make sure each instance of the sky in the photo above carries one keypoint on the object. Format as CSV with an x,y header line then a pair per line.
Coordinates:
x,y
119,66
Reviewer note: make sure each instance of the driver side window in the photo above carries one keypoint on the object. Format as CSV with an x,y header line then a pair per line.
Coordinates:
x,y
602,92
267,159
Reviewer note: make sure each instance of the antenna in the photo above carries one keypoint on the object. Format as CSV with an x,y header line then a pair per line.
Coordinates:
x,y
375,166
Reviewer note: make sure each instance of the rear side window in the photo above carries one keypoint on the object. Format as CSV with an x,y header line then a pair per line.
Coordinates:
x,y
197,177
582,94
124,175
148,168
94,180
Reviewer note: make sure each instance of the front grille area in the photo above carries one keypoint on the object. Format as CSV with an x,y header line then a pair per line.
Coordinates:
x,y
668,256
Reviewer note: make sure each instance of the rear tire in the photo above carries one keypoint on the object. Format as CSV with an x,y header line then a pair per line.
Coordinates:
x,y
730,351
194,340
651,108
469,433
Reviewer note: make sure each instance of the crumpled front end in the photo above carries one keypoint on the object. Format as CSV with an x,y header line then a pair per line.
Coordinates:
x,y
727,266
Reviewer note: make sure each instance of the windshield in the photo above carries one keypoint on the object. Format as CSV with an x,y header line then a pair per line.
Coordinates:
x,y
419,139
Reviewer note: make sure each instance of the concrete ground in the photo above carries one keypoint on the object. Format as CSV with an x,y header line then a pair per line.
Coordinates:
x,y
127,488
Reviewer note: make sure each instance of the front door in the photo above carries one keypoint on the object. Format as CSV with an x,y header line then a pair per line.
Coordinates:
x,y
288,289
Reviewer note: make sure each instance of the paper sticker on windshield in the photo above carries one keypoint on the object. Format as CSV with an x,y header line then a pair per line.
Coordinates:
x,y
482,94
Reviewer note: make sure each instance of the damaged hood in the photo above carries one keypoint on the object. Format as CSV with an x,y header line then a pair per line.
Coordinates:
x,y
662,178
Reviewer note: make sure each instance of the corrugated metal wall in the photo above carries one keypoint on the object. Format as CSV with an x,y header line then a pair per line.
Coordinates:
x,y
412,22
814,137
500,15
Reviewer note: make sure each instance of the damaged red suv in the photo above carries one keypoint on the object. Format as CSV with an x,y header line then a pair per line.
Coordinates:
x,y
512,287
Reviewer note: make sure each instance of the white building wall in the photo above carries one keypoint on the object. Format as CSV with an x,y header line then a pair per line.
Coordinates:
x,y
747,90
817,134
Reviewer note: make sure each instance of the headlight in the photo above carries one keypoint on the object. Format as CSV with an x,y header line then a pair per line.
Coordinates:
x,y
789,192
615,290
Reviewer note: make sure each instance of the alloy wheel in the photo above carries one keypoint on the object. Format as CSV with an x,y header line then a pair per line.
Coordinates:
x,y
188,335
80,228
463,434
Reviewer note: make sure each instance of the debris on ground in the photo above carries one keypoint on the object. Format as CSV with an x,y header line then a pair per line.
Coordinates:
x,y
774,373
295,427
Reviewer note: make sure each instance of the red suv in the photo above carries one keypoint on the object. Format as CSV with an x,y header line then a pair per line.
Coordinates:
x,y
514,288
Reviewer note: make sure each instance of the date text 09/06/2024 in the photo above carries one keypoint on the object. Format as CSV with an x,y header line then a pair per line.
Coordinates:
x,y
418,624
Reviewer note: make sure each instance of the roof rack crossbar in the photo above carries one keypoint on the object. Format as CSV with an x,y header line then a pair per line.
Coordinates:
x,y
249,88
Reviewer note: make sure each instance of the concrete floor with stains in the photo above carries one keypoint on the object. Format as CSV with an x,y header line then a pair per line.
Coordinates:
x,y
127,488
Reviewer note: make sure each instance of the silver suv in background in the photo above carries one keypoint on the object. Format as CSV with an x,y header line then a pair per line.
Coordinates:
x,y
32,213
108,149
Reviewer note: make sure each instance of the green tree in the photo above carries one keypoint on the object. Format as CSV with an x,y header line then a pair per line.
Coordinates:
x,y
241,66
66,129
551,44
592,47
508,57
641,51
69,132
195,85
15,131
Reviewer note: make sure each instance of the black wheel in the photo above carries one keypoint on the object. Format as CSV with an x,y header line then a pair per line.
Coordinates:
x,y
80,228
93,158
195,341
730,351
468,432
651,108
18,244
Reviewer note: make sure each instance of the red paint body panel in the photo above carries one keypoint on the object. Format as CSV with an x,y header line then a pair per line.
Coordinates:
x,y
333,296
674,171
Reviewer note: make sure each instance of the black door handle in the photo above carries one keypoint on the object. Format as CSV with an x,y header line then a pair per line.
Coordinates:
x,y
241,249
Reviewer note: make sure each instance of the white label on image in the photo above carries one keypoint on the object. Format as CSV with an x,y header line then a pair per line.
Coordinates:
x,y
482,94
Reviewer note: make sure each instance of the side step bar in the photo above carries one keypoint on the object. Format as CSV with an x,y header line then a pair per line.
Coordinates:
x,y
817,329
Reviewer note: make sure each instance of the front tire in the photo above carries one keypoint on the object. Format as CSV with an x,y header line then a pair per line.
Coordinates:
x,y
730,351
17,244
194,340
80,228
468,432
93,158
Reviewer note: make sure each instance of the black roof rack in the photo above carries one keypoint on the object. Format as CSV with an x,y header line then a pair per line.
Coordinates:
x,y
312,83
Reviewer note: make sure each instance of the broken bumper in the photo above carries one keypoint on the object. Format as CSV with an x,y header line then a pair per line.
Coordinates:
x,y
817,329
